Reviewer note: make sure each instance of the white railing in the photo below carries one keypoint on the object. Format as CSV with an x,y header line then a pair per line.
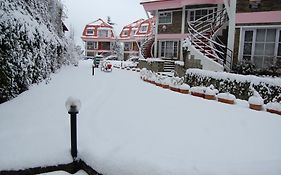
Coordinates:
x,y
202,34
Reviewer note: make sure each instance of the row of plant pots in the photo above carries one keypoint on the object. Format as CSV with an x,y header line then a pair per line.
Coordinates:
x,y
210,93
128,68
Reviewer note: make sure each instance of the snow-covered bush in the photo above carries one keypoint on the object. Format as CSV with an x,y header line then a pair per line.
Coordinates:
x,y
211,91
184,87
274,106
227,96
198,89
176,81
256,99
32,44
239,85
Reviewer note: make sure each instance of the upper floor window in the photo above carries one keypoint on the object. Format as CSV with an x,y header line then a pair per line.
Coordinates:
x,y
165,18
254,4
90,31
202,14
125,32
103,33
144,28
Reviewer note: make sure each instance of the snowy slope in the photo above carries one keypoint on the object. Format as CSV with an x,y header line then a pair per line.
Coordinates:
x,y
127,126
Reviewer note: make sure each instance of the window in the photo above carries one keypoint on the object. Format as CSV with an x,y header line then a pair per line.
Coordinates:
x,y
126,32
127,46
165,18
196,14
90,31
278,61
103,33
262,47
144,28
169,49
254,4
91,45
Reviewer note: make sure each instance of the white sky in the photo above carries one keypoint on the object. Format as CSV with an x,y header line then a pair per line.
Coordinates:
x,y
82,12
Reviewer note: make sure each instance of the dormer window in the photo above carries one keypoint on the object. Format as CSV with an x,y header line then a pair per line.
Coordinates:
x,y
103,33
254,4
165,18
126,32
144,28
90,31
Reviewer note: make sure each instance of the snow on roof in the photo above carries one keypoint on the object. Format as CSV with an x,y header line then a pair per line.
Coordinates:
x,y
99,22
147,1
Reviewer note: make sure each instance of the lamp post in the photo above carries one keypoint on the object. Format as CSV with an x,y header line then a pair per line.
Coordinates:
x,y
73,106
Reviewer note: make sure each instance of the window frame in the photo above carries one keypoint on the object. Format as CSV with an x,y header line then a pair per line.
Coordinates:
x,y
165,12
141,27
163,52
214,9
265,42
87,32
95,45
103,30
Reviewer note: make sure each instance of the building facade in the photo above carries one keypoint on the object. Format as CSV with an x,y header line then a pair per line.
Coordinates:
x,y
218,32
134,35
98,37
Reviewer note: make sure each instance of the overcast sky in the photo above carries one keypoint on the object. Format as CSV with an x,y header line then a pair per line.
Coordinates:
x,y
82,12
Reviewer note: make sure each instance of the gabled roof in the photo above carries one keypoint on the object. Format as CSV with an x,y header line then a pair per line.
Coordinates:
x,y
135,23
99,22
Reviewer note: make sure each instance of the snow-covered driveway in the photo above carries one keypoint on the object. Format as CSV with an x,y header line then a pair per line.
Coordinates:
x,y
127,126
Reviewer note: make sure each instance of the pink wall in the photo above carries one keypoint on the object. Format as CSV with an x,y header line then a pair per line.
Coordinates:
x,y
171,36
258,17
168,4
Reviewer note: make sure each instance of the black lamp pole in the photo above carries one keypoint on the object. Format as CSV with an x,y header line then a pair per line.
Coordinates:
x,y
73,111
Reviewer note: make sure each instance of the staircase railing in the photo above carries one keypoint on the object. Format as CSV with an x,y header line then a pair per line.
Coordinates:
x,y
202,34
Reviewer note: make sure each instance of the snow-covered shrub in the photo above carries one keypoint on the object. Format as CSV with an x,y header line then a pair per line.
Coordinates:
x,y
227,96
256,99
239,85
185,87
274,106
198,89
176,81
211,91
32,44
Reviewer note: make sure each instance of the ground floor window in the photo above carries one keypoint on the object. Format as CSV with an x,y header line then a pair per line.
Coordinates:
x,y
262,46
91,45
127,46
169,49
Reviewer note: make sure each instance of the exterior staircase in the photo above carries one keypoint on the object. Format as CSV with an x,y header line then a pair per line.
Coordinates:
x,y
146,48
203,41
169,65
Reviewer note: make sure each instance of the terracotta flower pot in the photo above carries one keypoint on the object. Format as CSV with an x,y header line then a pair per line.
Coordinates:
x,y
157,84
255,107
174,89
165,86
210,97
184,91
222,100
197,94
273,111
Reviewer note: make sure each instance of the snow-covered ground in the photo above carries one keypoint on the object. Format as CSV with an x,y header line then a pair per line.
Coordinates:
x,y
65,173
129,127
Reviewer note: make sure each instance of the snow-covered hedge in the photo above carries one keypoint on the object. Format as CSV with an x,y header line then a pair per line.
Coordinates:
x,y
32,44
239,85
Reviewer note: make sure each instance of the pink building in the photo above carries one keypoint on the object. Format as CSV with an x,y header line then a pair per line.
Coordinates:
x,y
220,33
98,37
134,35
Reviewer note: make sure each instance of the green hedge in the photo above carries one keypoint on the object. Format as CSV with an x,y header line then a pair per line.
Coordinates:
x,y
239,85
